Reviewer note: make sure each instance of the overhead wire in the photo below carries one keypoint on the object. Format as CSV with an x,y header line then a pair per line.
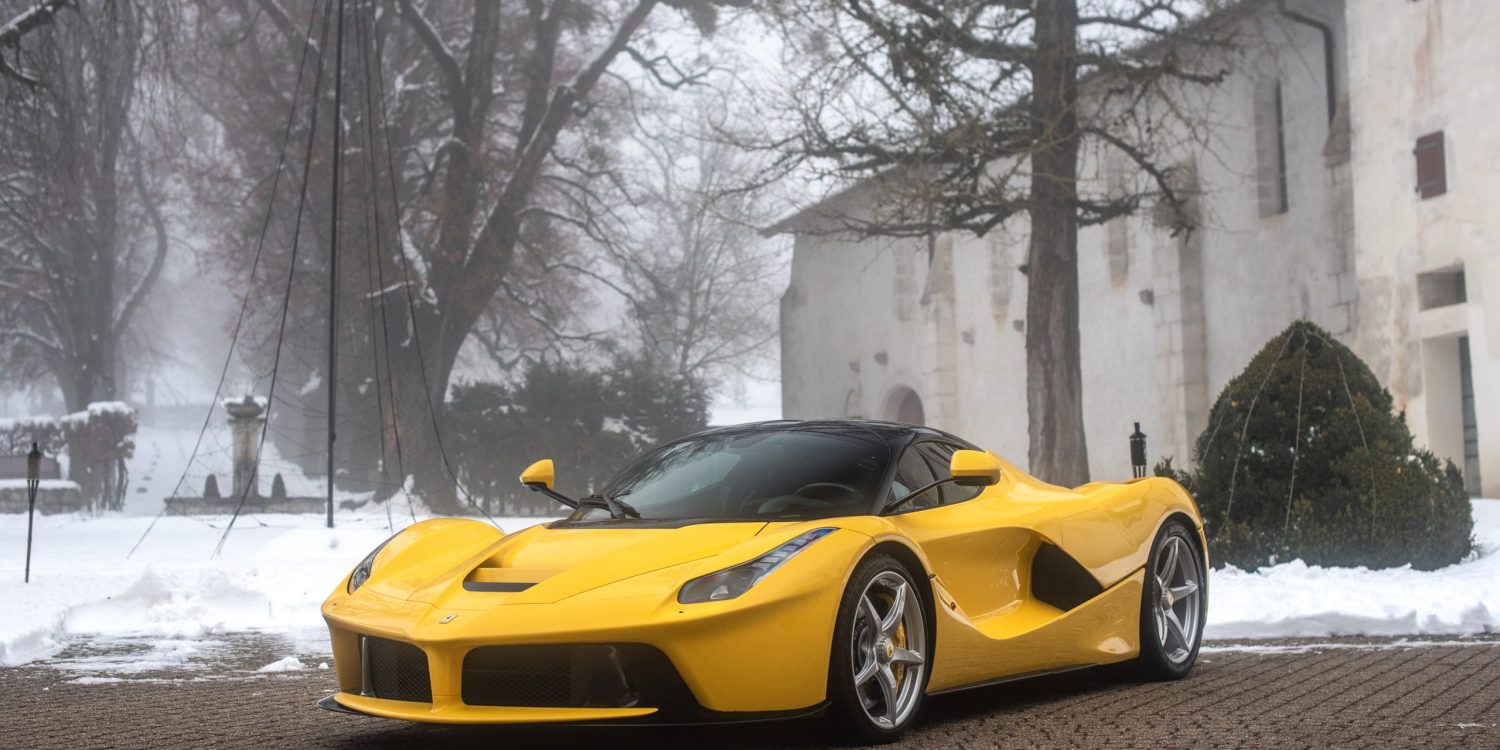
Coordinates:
x,y
377,255
1245,430
365,40
1291,490
260,245
411,308
333,256
312,131
372,250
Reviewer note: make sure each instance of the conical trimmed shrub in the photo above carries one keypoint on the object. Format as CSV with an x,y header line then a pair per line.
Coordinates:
x,y
1304,458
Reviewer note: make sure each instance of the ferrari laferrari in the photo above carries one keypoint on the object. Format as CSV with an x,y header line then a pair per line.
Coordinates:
x,y
843,568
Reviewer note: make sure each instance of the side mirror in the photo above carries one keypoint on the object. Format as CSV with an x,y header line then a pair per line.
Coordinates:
x,y
974,469
540,473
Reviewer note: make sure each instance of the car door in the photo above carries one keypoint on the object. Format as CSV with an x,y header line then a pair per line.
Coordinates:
x,y
977,541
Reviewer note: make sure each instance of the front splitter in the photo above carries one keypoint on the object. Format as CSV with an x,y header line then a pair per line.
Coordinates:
x,y
703,716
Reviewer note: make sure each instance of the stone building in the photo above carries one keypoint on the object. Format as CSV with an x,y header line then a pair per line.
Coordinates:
x,y
1343,179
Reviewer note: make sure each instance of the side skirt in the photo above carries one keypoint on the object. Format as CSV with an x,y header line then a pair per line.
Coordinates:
x,y
1003,680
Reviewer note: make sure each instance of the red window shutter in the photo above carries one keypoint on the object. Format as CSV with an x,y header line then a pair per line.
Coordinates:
x,y
1432,173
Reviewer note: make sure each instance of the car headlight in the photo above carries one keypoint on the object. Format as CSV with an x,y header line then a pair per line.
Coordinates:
x,y
731,582
362,570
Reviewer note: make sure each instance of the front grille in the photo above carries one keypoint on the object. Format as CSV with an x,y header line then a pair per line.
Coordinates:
x,y
394,670
558,676
586,675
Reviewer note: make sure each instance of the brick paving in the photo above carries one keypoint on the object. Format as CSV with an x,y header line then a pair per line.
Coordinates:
x,y
1335,693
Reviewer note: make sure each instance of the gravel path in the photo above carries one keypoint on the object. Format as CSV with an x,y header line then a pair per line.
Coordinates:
x,y
1337,693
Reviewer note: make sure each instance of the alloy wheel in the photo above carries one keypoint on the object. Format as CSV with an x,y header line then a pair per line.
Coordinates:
x,y
1179,600
889,649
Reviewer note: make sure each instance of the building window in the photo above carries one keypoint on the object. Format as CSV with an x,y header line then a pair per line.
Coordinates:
x,y
1270,149
1432,170
905,291
999,273
1117,232
1441,288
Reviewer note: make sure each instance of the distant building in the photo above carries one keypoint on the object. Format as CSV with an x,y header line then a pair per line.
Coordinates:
x,y
1364,201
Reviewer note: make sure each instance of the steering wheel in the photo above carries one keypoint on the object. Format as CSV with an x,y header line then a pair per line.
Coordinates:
x,y
829,492
791,503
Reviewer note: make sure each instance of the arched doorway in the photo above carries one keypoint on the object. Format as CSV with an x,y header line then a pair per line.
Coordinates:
x,y
906,407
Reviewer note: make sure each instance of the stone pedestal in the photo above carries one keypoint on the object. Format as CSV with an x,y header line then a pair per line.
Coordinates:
x,y
246,420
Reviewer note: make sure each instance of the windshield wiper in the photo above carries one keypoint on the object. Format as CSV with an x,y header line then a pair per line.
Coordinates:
x,y
617,508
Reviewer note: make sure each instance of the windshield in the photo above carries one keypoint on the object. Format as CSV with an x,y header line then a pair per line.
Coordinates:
x,y
785,474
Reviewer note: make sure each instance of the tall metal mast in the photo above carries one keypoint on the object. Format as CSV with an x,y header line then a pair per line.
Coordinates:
x,y
333,251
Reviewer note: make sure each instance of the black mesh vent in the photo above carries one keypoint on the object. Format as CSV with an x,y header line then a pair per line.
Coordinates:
x,y
396,671
559,676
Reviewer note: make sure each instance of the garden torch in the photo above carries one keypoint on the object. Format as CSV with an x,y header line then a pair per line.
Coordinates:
x,y
1138,452
33,482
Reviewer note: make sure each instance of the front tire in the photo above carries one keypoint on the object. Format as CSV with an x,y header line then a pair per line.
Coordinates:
x,y
1174,605
881,648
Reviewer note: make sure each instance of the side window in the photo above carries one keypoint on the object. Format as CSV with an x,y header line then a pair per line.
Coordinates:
x,y
912,473
939,457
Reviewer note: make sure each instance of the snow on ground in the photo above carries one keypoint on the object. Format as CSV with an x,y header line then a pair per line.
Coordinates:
x,y
273,573
1297,600
284,664
1398,644
161,453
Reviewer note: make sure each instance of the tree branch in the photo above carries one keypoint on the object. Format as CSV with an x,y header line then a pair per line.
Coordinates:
x,y
158,259
11,33
451,73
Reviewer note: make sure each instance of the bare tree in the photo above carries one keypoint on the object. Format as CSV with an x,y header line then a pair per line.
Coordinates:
x,y
83,237
492,116
696,276
967,113
11,32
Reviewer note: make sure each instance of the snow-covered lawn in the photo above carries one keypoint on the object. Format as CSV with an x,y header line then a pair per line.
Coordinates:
x,y
1295,599
273,573
276,570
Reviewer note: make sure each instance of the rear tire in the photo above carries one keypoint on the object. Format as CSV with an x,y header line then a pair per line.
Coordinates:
x,y
1174,605
878,670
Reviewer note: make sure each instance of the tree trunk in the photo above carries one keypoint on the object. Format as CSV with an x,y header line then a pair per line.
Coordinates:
x,y
1054,387
418,408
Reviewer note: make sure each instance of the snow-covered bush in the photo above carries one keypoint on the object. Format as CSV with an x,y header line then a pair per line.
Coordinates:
x,y
17,435
99,440
1304,457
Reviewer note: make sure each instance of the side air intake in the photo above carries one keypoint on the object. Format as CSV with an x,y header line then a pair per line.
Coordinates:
x,y
1059,580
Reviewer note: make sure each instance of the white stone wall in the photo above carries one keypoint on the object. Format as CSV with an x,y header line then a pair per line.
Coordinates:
x,y
1165,325
1416,68
863,318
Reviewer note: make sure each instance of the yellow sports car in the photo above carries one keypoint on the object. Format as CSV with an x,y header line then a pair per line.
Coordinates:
x,y
773,570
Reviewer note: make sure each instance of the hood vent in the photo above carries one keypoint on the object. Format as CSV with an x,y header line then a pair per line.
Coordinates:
x,y
505,580
509,587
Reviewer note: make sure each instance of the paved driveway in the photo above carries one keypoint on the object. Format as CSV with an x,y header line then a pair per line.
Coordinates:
x,y
1329,694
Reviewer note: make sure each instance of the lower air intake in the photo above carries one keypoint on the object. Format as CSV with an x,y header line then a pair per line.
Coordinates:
x,y
571,676
394,671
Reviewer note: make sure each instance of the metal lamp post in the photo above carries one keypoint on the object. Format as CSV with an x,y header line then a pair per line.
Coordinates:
x,y
33,483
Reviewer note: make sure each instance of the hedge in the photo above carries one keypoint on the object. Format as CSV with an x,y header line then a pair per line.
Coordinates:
x,y
1305,457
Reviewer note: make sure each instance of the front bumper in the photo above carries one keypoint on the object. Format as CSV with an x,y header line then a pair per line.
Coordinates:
x,y
762,656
